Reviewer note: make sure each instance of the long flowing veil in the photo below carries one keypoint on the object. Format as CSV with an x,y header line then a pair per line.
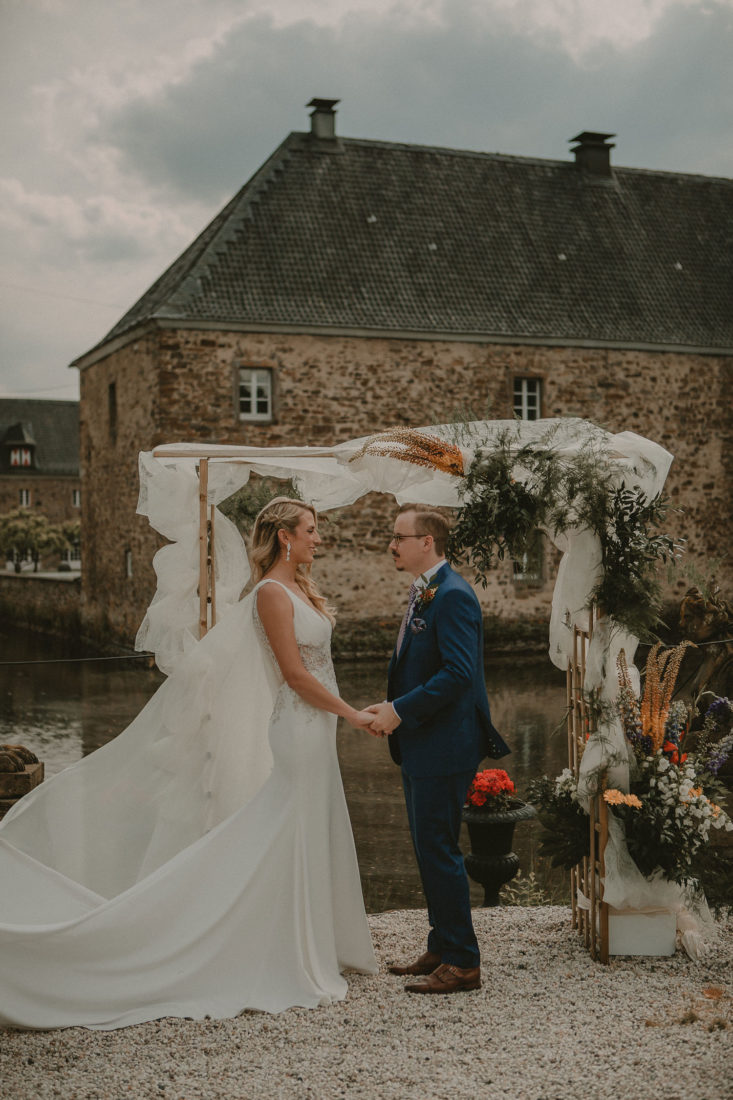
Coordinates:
x,y
195,754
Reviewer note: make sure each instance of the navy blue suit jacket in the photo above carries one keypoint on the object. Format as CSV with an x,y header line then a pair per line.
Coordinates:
x,y
437,685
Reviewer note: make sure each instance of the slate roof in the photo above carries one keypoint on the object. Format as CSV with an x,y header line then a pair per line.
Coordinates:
x,y
378,237
54,428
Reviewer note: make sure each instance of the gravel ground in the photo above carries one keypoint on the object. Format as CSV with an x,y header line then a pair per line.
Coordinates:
x,y
548,1024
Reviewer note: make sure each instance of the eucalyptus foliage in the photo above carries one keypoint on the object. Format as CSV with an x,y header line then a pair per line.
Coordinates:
x,y
512,490
565,836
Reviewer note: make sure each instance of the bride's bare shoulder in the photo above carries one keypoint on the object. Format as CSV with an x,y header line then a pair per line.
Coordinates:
x,y
272,596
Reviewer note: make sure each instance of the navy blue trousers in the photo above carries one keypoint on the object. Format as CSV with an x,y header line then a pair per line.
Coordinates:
x,y
434,805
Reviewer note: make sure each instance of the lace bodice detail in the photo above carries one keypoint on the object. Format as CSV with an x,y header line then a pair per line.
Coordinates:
x,y
313,635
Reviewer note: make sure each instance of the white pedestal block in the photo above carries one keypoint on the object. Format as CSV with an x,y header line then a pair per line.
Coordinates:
x,y
634,932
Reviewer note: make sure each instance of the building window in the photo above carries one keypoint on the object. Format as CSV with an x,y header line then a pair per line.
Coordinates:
x,y
529,569
527,398
72,555
255,393
24,498
112,410
76,498
21,456
128,563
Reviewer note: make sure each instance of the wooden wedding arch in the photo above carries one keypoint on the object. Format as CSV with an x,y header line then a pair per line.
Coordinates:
x,y
428,463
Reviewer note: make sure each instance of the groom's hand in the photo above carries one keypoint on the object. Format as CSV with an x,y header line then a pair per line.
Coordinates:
x,y
385,719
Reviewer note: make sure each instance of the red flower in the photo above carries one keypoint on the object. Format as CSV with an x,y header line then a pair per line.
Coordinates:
x,y
673,753
492,783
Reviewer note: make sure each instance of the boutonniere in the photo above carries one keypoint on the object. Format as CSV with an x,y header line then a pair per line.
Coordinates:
x,y
425,597
417,625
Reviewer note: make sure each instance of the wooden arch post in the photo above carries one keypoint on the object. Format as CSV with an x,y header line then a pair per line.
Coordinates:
x,y
586,878
207,558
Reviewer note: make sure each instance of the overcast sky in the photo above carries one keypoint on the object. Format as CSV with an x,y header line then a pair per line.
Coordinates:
x,y
128,123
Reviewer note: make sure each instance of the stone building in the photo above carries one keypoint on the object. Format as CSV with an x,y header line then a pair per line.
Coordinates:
x,y
39,457
355,285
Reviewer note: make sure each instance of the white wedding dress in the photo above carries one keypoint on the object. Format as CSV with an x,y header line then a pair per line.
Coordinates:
x,y
200,864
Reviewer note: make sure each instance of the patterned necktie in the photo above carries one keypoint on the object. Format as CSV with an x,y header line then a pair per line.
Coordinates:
x,y
408,615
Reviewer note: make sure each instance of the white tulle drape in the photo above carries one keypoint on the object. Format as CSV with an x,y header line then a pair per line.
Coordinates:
x,y
169,497
336,477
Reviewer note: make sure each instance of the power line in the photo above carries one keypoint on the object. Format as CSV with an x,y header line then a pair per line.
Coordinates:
x,y
79,660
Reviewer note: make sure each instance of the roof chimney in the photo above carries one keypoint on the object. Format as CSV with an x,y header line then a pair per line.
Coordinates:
x,y
592,153
323,118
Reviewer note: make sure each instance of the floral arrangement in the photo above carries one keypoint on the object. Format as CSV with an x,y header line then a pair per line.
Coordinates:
x,y
515,489
491,789
673,803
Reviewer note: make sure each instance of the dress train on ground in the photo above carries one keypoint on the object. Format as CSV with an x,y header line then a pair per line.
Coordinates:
x,y
200,864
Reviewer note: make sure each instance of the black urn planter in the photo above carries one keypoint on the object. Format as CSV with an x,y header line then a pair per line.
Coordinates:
x,y
491,861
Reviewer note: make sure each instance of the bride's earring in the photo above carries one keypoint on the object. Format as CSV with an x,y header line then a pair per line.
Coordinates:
x,y
287,556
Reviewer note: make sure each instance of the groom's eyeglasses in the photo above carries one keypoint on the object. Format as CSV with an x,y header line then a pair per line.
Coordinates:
x,y
398,538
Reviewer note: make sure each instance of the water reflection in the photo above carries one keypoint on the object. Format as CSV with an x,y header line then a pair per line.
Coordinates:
x,y
62,706
65,710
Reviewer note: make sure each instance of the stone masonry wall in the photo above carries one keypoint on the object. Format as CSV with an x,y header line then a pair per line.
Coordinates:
x,y
41,603
113,603
53,496
181,385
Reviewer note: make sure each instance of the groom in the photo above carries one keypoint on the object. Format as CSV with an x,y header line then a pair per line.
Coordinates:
x,y
439,727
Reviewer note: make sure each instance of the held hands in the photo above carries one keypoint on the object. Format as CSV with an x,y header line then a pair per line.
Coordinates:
x,y
383,719
361,719
379,719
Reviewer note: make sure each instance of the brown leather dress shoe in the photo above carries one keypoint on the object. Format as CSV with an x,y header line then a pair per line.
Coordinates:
x,y
426,964
447,979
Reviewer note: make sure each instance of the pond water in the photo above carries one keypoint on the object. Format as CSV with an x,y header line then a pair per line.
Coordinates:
x,y
63,707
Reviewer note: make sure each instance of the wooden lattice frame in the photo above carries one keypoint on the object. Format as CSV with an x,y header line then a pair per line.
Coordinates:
x,y
587,877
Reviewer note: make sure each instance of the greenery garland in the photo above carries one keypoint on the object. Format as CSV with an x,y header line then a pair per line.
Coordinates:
x,y
512,490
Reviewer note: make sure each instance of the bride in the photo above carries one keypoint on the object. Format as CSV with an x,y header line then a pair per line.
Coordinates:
x,y
202,862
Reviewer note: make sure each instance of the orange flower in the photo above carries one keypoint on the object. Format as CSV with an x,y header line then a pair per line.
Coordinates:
x,y
617,798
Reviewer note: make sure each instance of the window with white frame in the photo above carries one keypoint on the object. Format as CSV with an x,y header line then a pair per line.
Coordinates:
x,y
527,398
255,393
76,498
24,498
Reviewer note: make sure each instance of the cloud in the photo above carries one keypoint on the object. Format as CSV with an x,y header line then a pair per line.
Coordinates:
x,y
464,82
127,125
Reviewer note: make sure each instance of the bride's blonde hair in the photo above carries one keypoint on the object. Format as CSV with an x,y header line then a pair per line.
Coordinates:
x,y
283,512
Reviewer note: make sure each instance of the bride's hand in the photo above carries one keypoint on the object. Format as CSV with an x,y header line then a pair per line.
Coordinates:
x,y
361,719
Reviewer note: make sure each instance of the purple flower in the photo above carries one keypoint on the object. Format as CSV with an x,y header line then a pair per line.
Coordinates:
x,y
719,754
720,712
